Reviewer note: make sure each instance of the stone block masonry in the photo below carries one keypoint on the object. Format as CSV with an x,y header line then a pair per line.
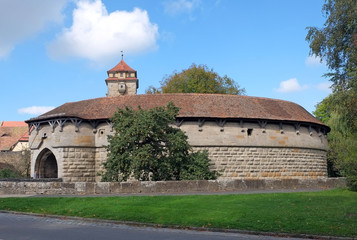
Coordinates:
x,y
265,162
84,164
169,187
79,164
246,152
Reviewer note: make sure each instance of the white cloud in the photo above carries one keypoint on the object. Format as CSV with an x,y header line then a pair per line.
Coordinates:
x,y
21,19
35,110
291,85
313,61
99,36
325,86
175,7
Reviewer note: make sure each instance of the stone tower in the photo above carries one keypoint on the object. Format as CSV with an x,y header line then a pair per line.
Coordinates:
x,y
122,80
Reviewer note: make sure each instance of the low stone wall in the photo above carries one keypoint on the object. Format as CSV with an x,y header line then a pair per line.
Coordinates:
x,y
168,187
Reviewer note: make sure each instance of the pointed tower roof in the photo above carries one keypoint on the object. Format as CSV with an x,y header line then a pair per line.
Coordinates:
x,y
121,67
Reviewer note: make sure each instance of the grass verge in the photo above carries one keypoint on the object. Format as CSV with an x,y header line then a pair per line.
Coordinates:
x,y
332,213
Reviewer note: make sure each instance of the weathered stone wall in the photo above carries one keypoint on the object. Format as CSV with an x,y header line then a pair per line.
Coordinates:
x,y
100,157
11,158
169,187
237,150
19,161
113,87
260,162
250,134
79,164
83,164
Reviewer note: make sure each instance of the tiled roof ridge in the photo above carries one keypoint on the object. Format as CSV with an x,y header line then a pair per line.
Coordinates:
x,y
201,94
182,94
193,105
13,124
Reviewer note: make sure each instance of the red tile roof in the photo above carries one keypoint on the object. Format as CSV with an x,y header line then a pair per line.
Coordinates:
x,y
121,67
25,137
13,124
192,105
10,135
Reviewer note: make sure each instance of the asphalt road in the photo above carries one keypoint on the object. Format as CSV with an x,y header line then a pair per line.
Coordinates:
x,y
23,227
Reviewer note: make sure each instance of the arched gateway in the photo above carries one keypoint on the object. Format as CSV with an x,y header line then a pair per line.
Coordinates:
x,y
46,164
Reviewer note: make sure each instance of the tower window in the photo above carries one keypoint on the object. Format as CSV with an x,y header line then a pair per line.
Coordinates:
x,y
121,74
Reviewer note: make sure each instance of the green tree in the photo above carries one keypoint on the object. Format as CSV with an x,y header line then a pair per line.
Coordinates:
x,y
336,44
145,146
323,110
197,79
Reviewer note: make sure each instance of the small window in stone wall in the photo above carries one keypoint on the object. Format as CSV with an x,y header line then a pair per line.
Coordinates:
x,y
250,131
101,132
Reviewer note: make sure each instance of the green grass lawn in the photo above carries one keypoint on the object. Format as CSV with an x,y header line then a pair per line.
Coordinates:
x,y
331,212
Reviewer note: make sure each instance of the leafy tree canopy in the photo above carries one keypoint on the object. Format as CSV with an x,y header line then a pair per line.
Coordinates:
x,y
336,44
197,79
146,147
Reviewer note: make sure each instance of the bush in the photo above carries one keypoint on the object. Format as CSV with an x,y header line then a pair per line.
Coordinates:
x,y
7,173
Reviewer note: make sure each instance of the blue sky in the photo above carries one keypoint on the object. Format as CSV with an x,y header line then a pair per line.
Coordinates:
x,y
58,51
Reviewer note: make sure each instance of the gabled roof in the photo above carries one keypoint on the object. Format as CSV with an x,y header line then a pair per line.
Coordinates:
x,y
192,106
10,135
121,67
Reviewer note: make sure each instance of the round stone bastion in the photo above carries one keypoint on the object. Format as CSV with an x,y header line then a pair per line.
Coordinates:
x,y
246,137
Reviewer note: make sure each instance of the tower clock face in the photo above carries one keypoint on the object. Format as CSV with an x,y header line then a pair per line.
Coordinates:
x,y
122,88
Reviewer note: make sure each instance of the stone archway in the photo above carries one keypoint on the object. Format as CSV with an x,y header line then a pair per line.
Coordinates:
x,y
46,164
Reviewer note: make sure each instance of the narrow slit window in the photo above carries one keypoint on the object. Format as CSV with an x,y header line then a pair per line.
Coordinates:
x,y
250,131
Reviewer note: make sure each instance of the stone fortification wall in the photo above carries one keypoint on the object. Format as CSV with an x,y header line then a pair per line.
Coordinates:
x,y
78,164
253,134
169,187
237,149
259,162
83,164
